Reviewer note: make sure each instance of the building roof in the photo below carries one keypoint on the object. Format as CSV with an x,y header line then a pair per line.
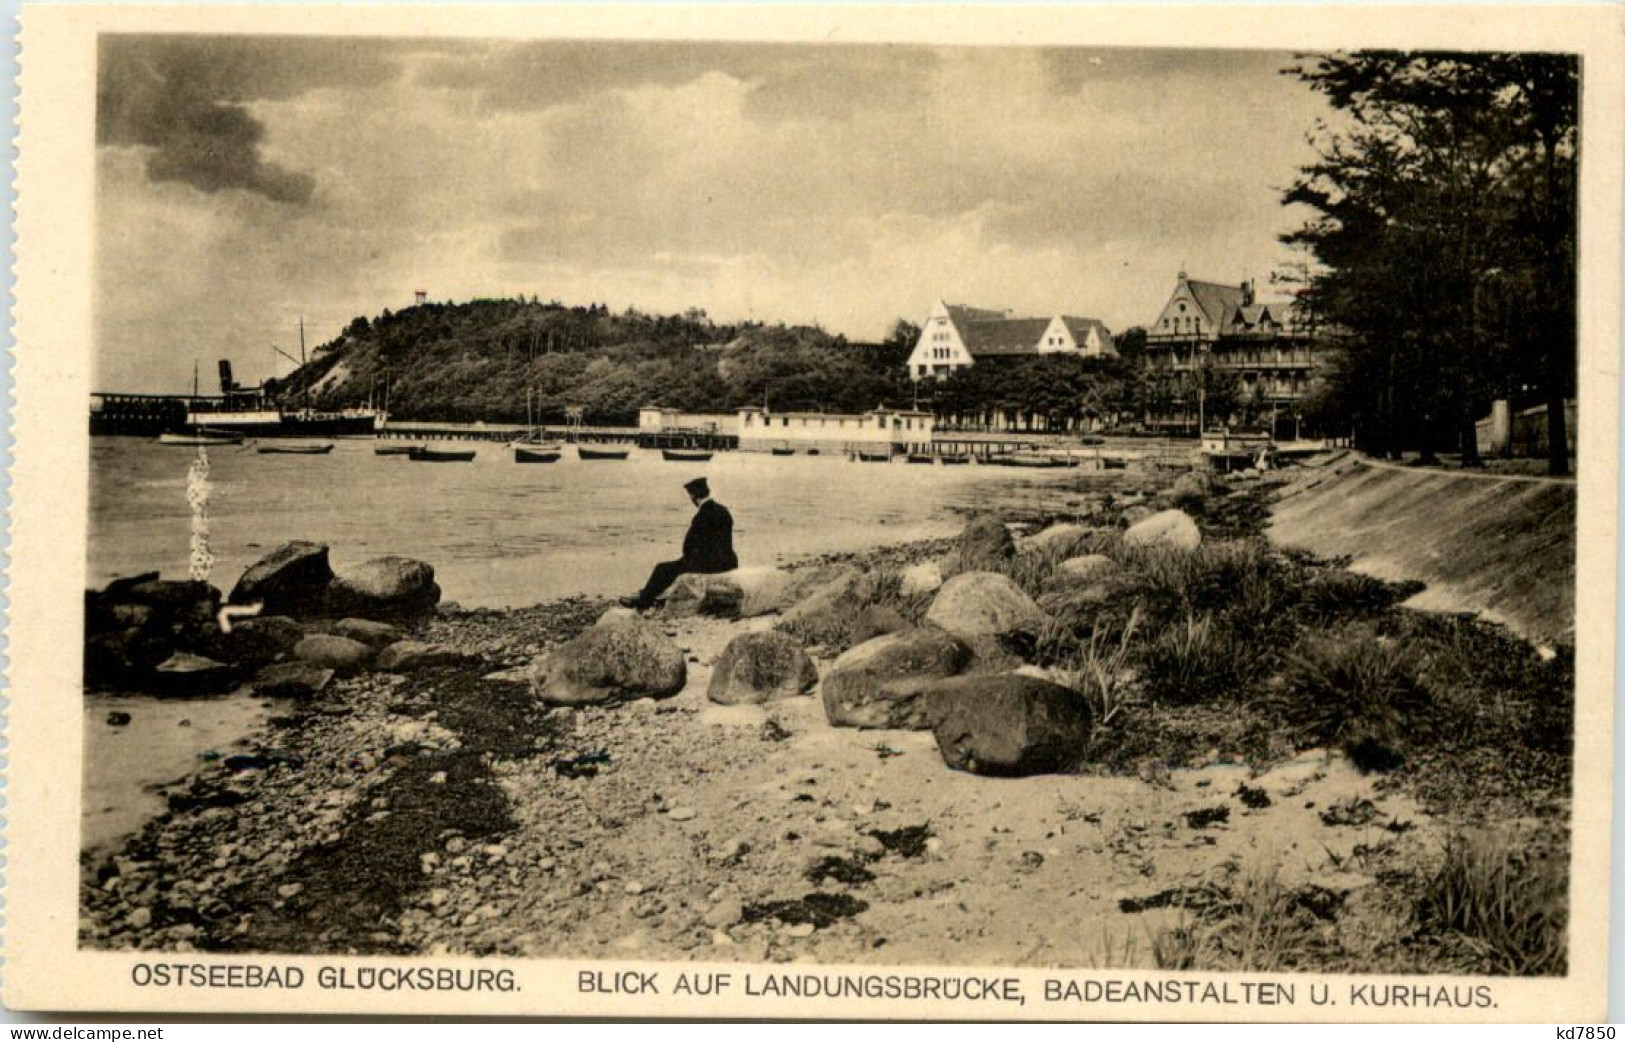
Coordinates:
x,y
1219,303
961,314
1080,328
1006,336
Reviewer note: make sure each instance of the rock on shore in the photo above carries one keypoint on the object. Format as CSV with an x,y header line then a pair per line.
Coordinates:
x,y
886,682
291,580
761,667
384,588
974,604
610,664
1009,724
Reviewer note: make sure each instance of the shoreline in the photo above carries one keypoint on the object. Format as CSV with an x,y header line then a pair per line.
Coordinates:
x,y
444,811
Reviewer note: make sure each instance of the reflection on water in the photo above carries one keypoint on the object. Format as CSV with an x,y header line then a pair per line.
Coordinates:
x,y
164,741
498,534
501,534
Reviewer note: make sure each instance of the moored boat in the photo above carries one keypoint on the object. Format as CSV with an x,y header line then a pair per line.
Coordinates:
x,y
874,457
537,453
297,450
601,454
685,456
424,454
954,461
921,457
791,452
1012,459
394,450
200,437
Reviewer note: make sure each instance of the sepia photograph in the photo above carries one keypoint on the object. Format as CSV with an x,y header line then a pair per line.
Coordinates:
x,y
833,509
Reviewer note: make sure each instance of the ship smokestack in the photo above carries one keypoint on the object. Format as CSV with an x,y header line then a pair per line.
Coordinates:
x,y
226,384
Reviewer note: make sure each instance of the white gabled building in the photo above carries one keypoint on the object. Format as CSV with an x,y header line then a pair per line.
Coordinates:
x,y
955,336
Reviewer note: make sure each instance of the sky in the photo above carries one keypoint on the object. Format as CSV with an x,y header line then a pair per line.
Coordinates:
x,y
246,182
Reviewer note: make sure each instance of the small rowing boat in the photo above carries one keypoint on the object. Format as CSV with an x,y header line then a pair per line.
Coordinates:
x,y
874,457
589,454
684,456
922,458
954,461
537,453
394,450
785,452
296,450
423,454
1014,460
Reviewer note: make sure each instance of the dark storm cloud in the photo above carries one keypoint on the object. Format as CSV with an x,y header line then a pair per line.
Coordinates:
x,y
786,82
187,98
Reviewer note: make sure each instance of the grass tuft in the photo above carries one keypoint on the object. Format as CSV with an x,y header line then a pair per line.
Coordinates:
x,y
1358,692
1510,913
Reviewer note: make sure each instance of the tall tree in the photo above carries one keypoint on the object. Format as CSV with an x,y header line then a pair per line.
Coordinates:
x,y
1444,233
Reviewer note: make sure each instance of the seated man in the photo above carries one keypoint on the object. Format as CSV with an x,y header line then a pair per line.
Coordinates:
x,y
708,548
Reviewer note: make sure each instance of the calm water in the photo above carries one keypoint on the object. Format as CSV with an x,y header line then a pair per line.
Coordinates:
x,y
501,534
498,534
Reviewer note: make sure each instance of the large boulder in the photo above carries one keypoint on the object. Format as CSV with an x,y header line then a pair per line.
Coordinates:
x,y
370,632
877,620
1079,585
884,682
340,654
984,545
1009,724
919,579
761,667
743,593
290,580
616,616
1088,569
610,664
1058,537
1189,490
291,680
1133,515
123,659
1170,529
186,674
407,655
384,588
984,604
824,615
172,596
258,641
182,611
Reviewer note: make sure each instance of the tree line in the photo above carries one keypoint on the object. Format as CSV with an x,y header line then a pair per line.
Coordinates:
x,y
1442,242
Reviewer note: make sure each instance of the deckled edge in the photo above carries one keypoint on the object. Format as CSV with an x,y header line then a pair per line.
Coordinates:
x,y
10,67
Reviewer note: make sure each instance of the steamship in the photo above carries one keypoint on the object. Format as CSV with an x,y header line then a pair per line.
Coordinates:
x,y
248,411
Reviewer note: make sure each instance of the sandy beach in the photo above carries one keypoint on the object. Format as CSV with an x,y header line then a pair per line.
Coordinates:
x,y
447,811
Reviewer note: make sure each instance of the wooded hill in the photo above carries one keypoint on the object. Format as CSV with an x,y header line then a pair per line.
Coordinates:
x,y
481,359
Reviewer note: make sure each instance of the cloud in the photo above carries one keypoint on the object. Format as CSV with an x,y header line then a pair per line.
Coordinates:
x,y
187,100
782,81
843,184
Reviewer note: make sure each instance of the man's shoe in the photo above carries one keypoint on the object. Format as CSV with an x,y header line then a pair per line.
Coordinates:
x,y
635,603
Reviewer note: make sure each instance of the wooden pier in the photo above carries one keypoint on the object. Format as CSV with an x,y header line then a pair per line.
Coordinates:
x,y
425,430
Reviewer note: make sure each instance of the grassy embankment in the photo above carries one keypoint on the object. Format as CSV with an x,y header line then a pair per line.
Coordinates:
x,y
1242,651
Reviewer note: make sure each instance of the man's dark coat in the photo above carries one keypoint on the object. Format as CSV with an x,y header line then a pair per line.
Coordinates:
x,y
709,545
